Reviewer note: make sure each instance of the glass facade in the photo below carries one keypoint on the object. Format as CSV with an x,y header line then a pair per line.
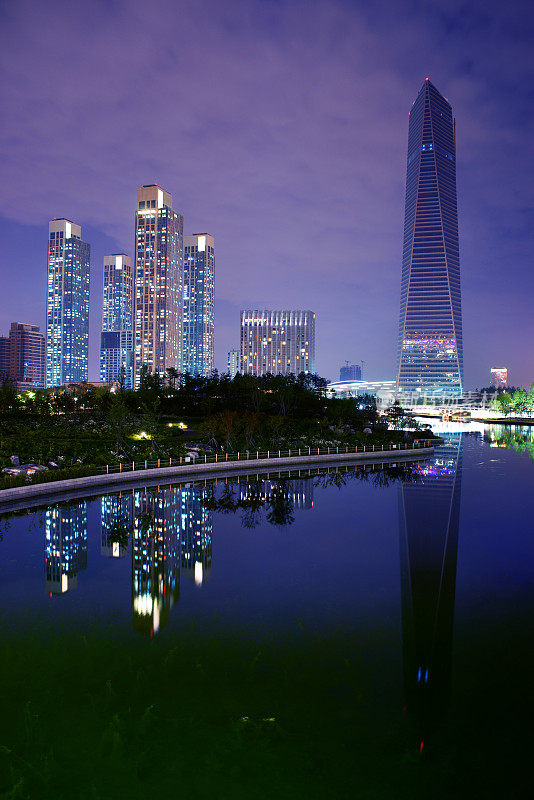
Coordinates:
x,y
158,283
430,349
277,342
116,343
199,318
67,305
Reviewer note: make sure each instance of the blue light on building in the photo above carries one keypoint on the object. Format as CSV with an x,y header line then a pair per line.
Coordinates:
x,y
198,314
116,341
67,304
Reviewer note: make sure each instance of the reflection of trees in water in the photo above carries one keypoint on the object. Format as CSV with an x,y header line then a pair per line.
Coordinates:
x,y
277,497
381,477
278,502
518,439
120,530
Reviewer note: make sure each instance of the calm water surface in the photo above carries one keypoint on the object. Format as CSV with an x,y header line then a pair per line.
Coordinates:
x,y
337,636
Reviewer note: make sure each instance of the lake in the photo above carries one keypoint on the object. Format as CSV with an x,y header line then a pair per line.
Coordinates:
x,y
357,633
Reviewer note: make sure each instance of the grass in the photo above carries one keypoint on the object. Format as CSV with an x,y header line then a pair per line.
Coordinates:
x,y
212,717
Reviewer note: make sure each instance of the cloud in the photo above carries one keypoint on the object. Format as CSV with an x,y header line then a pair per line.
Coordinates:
x,y
280,127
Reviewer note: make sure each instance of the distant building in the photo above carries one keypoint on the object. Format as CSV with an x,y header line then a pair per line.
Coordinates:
x,y
350,372
499,377
233,363
198,313
22,356
116,340
5,351
158,283
67,304
383,391
277,342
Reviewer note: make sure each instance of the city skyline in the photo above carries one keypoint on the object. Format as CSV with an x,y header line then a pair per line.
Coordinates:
x,y
319,212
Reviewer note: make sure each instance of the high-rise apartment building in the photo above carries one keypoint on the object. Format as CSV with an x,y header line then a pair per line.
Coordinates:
x,y
277,342
22,356
27,356
67,304
158,283
430,345
199,317
499,377
116,341
233,363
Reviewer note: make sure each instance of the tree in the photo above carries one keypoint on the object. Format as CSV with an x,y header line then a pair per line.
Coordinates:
x,y
503,404
9,400
395,415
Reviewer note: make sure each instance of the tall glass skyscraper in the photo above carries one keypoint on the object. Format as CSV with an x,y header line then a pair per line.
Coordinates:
x,y
67,304
430,349
158,283
116,341
199,285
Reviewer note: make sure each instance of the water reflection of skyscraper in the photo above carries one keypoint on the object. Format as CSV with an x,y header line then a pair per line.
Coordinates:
x,y
428,520
65,546
155,557
298,491
116,521
196,532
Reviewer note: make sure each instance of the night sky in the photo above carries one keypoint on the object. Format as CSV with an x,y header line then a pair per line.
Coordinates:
x,y
281,128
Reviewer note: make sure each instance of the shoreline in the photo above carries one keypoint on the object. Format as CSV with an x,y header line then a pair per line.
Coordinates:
x,y
31,495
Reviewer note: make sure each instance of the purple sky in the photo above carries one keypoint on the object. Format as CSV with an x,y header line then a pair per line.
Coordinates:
x,y
281,128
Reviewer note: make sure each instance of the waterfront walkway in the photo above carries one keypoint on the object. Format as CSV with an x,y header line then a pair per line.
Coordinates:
x,y
141,473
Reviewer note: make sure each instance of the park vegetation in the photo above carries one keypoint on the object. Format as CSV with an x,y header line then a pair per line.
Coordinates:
x,y
84,426
520,403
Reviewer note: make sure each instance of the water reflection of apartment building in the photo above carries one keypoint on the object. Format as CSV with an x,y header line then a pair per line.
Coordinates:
x,y
298,491
429,521
196,527
155,557
115,521
65,546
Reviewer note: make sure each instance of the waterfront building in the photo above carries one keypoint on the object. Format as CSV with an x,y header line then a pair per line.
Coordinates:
x,y
67,304
277,342
116,339
22,356
233,363
350,372
198,313
499,377
158,283
430,345
65,546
